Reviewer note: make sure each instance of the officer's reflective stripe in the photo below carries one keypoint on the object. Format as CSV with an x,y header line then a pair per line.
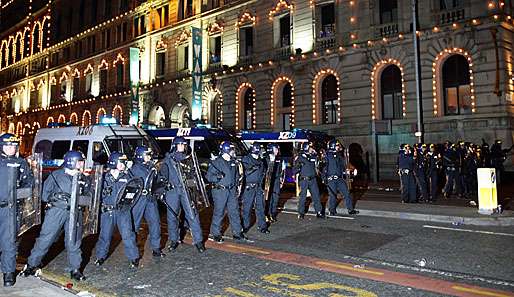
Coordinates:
x,y
13,165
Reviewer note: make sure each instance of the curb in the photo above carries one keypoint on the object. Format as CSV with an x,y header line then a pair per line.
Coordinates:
x,y
292,204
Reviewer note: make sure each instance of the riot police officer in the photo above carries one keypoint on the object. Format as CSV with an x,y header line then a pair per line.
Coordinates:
x,y
434,166
334,173
305,165
224,175
114,213
177,198
450,162
421,167
146,206
253,194
56,193
274,164
405,170
8,158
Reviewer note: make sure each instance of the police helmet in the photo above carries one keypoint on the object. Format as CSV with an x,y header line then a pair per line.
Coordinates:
x,y
271,146
115,158
9,139
332,145
402,147
226,147
72,158
141,152
256,148
432,146
306,146
424,146
179,140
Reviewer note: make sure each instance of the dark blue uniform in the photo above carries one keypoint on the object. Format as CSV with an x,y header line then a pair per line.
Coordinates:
x,y
224,176
420,174
56,192
253,194
113,215
434,165
407,183
276,182
176,199
146,206
25,180
334,173
305,166
450,162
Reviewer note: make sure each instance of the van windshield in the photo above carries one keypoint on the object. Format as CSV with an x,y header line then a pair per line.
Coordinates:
x,y
127,146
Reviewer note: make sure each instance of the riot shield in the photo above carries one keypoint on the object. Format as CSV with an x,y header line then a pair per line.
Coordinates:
x,y
130,193
194,184
90,203
268,179
75,220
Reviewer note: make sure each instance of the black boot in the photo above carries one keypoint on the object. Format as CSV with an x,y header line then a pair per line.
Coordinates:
x,y
353,212
320,215
172,247
28,271
332,213
301,216
99,261
264,230
241,236
134,263
200,247
9,279
158,253
217,238
77,275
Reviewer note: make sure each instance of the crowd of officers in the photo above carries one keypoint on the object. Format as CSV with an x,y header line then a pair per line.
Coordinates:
x,y
238,187
426,171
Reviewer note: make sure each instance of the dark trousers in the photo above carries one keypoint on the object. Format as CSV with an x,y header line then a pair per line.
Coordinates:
x,y
177,200
123,220
421,182
312,186
225,199
7,243
434,181
408,187
147,207
335,186
253,197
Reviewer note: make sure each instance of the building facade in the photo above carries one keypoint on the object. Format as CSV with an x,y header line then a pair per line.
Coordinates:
x,y
341,66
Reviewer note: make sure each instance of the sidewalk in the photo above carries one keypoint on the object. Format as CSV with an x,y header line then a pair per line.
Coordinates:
x,y
33,286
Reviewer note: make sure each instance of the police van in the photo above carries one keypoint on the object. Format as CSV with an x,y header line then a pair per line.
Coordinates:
x,y
96,142
204,141
290,143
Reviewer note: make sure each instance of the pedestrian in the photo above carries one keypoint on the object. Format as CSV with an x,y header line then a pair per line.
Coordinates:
x,y
9,158
334,175
177,197
274,164
406,172
253,194
223,174
305,165
57,194
115,213
146,206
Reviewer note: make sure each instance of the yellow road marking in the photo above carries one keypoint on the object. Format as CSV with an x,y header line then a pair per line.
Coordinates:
x,y
248,249
479,292
349,267
239,292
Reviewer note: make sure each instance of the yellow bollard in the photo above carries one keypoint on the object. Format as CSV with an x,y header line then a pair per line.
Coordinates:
x,y
487,194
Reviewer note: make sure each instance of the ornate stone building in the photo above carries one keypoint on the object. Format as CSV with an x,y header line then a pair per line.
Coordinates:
x,y
342,66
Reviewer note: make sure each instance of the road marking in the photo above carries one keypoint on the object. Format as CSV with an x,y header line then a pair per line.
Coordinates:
x,y
240,293
313,215
468,230
349,267
246,249
479,292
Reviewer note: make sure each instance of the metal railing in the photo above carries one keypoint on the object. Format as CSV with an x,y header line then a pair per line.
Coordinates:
x,y
386,30
448,16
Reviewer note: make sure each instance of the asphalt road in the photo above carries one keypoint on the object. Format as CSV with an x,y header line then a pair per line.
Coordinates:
x,y
343,256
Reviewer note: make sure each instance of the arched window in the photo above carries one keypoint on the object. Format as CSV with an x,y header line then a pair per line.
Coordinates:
x,y
36,36
86,118
4,55
117,113
74,119
19,47
456,86
248,101
329,98
391,93
287,95
99,115
10,52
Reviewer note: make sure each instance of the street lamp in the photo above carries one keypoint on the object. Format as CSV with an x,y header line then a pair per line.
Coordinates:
x,y
419,101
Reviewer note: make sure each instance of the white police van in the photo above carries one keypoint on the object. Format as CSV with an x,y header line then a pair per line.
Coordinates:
x,y
96,142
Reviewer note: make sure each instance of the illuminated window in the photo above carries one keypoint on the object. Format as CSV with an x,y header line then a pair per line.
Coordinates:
x,y
160,63
183,57
285,31
62,90
391,92
456,86
246,41
215,49
326,21
388,11
329,98
89,83
248,108
185,9
139,25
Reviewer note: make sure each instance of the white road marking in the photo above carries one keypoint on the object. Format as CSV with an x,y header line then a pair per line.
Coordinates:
x,y
468,230
313,215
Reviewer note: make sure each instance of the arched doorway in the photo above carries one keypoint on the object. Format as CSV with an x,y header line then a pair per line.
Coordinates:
x,y
157,117
180,114
329,100
86,118
117,113
282,100
391,93
456,85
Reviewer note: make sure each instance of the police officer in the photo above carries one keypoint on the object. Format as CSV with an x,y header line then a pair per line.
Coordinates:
x,y
223,174
460,178
253,195
56,193
115,214
421,167
305,165
434,166
450,162
176,197
333,174
8,158
277,179
146,206
405,170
